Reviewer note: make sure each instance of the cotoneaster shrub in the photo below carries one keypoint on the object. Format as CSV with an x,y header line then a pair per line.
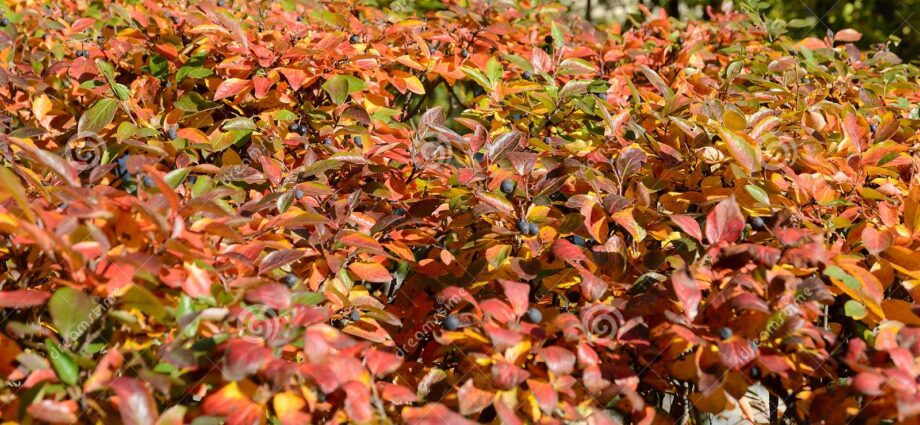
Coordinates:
x,y
290,212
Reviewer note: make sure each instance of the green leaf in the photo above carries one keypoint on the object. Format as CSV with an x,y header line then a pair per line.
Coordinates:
x,y
841,275
158,66
855,309
239,123
142,299
125,131
121,91
340,86
63,363
284,115
106,69
175,177
558,37
477,76
71,312
320,167
193,102
97,117
575,66
494,71
758,193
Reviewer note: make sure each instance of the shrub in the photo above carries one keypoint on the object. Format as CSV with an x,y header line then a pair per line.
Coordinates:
x,y
303,212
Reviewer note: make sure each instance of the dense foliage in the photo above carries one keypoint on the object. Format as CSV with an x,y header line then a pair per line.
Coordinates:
x,y
295,212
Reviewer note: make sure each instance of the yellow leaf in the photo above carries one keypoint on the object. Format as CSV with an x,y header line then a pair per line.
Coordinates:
x,y
41,106
904,260
414,85
287,402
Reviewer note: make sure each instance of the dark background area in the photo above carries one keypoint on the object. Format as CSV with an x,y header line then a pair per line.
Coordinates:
x,y
880,21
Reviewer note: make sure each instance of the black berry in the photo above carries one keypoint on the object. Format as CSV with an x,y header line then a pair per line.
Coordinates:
x,y
432,49
527,75
873,128
478,157
547,140
548,39
294,127
290,280
523,226
148,181
725,332
533,229
507,186
755,372
298,194
534,315
171,133
757,223
327,141
451,323
399,211
355,315
578,240
220,3
4,21
515,117
602,96
464,53
354,39
358,141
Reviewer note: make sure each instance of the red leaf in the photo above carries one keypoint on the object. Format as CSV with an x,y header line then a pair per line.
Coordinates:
x,y
234,402
568,251
847,35
274,295
518,295
688,291
688,225
22,298
735,353
471,399
433,414
244,358
506,414
279,258
382,363
358,402
875,241
56,412
506,375
396,394
231,87
371,272
559,360
546,396
724,222
135,403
